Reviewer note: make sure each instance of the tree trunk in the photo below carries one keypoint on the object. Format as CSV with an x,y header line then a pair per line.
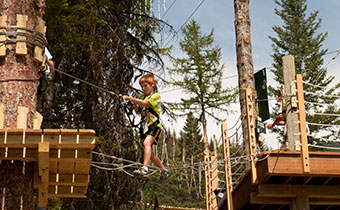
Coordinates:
x,y
16,185
244,60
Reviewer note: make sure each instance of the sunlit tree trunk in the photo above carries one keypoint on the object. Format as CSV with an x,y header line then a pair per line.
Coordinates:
x,y
244,60
16,184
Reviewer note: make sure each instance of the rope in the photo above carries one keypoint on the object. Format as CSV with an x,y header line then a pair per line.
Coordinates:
x,y
320,95
324,114
320,104
88,83
325,125
318,86
324,147
324,139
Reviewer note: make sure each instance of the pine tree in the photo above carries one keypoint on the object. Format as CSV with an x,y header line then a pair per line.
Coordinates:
x,y
298,36
200,75
191,136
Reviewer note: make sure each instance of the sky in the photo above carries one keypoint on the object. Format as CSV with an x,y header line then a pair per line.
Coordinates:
x,y
219,15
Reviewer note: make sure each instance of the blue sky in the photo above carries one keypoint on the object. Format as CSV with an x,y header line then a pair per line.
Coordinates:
x,y
219,15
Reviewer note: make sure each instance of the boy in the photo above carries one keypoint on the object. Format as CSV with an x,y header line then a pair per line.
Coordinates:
x,y
149,107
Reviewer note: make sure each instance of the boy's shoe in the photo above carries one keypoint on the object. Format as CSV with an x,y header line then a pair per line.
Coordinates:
x,y
140,172
165,173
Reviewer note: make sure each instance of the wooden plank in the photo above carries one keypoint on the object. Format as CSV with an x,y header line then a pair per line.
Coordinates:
x,y
43,164
73,146
3,22
87,136
302,124
66,166
313,191
79,190
66,196
21,47
64,190
82,167
39,51
2,115
69,136
52,136
53,166
22,116
227,165
84,153
254,199
38,118
290,165
36,179
251,135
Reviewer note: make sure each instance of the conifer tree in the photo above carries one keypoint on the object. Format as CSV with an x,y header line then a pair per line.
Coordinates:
x,y
191,136
200,75
298,36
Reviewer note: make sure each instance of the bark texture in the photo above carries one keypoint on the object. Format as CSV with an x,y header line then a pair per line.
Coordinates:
x,y
244,59
16,185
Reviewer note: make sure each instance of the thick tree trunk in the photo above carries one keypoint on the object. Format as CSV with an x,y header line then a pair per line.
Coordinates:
x,y
16,185
244,60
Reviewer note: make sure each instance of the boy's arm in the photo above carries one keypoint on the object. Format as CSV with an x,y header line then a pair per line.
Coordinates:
x,y
136,101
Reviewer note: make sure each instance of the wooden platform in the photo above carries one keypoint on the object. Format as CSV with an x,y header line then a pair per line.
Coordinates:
x,y
63,158
283,185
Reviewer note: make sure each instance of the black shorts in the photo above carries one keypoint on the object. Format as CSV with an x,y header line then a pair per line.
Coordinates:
x,y
153,131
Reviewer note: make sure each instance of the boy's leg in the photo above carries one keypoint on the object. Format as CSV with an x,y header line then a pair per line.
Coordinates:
x,y
156,160
148,141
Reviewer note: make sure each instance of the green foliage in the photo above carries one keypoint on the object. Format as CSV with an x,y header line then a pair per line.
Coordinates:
x,y
199,74
298,36
191,137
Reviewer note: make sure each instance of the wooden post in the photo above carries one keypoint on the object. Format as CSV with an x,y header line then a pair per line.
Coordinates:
x,y
43,167
291,117
302,201
207,181
227,166
302,125
3,20
250,101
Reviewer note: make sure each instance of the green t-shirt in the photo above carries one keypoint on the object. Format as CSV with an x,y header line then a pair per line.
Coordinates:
x,y
155,104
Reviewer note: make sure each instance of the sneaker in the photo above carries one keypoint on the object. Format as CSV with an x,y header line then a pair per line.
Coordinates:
x,y
140,172
165,173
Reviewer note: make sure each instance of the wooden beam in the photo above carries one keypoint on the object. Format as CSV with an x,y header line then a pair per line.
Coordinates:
x,y
227,166
313,191
3,22
289,165
302,201
254,199
21,47
43,167
302,124
288,66
250,100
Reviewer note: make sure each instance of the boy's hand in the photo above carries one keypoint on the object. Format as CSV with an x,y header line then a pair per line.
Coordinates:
x,y
126,98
